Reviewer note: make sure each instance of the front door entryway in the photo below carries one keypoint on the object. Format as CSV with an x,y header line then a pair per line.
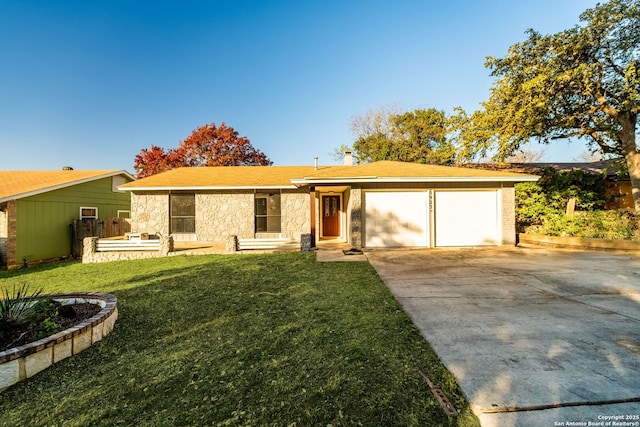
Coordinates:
x,y
330,216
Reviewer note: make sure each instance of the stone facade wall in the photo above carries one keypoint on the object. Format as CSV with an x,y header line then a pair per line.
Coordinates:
x,y
150,213
508,215
296,217
354,215
222,214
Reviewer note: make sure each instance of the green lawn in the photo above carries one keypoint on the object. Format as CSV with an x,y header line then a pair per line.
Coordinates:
x,y
237,340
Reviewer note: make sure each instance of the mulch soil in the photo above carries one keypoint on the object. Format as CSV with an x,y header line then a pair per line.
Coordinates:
x,y
65,316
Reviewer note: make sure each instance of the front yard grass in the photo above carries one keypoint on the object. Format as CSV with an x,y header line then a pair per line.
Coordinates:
x,y
237,340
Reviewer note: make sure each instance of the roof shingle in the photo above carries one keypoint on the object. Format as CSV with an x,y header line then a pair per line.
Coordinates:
x,y
17,184
286,176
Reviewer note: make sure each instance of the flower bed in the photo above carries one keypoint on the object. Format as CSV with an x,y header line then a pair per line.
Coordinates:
x,y
20,363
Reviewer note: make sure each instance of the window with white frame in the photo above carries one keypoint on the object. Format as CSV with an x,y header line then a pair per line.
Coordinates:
x,y
88,212
267,213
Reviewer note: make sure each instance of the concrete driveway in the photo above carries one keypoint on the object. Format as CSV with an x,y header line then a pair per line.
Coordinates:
x,y
535,337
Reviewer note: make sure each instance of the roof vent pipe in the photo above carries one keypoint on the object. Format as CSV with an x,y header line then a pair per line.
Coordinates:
x,y
348,158
315,162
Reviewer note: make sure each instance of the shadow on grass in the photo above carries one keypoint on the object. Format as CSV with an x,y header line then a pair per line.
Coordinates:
x,y
239,340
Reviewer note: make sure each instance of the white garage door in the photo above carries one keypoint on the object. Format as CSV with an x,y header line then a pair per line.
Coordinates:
x,y
394,219
466,218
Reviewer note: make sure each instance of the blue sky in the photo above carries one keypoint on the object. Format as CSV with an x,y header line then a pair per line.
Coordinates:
x,y
88,84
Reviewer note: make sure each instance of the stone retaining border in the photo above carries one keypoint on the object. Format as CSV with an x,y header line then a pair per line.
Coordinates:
x,y
579,243
20,363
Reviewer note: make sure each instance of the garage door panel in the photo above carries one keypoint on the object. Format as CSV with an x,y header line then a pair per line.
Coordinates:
x,y
466,218
395,219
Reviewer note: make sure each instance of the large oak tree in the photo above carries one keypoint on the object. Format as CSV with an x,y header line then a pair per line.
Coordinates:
x,y
583,82
208,145
417,136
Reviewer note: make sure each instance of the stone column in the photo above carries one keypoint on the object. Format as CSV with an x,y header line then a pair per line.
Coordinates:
x,y
231,244
305,242
355,218
89,249
166,244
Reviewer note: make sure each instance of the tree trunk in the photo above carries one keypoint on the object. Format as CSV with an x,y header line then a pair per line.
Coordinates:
x,y
629,149
633,164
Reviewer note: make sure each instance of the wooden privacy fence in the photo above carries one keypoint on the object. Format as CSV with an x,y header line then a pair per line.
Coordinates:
x,y
105,227
115,226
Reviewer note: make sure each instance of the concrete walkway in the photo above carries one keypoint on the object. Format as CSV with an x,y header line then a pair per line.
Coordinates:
x,y
337,255
336,251
535,337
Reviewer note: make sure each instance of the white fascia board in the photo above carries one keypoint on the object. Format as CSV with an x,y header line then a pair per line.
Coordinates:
x,y
301,182
342,178
212,187
65,185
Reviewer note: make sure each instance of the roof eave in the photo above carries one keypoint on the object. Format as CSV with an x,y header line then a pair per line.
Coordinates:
x,y
302,182
209,187
65,185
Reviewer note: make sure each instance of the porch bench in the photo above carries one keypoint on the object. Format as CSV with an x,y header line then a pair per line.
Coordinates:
x,y
262,244
106,245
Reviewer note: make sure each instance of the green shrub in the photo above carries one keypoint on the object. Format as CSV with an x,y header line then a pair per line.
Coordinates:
x,y
588,189
45,313
16,307
531,205
549,196
612,224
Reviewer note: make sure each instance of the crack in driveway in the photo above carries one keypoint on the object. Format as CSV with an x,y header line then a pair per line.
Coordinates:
x,y
530,334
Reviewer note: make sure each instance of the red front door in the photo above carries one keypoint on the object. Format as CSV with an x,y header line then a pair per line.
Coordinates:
x,y
330,216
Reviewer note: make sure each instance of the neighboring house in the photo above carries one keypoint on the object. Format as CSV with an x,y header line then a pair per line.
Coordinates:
x,y
38,207
617,182
380,204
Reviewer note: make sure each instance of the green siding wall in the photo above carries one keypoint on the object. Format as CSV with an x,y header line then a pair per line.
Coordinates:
x,y
43,221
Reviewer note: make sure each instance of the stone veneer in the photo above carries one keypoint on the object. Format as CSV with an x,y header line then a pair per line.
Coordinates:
x,y
354,213
223,213
91,255
220,214
20,363
150,213
296,218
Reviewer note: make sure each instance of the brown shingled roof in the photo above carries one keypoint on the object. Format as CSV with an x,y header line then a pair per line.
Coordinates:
x,y
223,176
18,184
610,167
392,169
286,176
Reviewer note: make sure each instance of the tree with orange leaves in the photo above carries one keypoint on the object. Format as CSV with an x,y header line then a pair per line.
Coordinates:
x,y
207,145
155,160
